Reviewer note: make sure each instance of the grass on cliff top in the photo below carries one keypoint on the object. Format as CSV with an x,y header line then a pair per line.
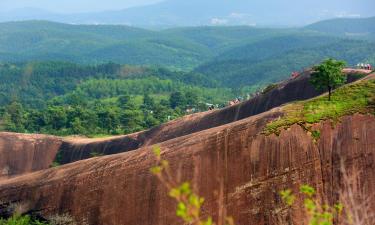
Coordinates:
x,y
346,100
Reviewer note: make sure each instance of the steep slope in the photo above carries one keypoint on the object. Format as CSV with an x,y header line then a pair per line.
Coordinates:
x,y
22,153
119,189
75,149
288,91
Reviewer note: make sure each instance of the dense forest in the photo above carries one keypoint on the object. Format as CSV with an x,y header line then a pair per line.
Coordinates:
x,y
270,60
359,28
66,98
100,80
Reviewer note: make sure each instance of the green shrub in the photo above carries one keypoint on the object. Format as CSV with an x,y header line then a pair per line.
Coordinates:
x,y
318,213
189,203
21,220
269,88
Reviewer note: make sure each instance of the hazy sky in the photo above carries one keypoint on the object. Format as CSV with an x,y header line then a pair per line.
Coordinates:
x,y
72,5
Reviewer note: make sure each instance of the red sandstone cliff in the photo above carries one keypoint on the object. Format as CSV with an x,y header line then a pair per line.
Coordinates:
x,y
23,153
291,90
74,149
119,189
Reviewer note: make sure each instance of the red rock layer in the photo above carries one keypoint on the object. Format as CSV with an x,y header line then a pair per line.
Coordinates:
x,y
22,153
72,150
290,90
119,189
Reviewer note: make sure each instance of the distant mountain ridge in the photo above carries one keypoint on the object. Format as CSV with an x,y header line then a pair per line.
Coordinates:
x,y
174,13
353,28
235,56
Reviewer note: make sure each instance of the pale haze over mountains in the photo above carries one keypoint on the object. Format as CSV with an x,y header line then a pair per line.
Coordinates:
x,y
170,13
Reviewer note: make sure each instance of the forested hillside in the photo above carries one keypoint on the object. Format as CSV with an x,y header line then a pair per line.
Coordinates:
x,y
42,40
178,13
274,59
66,98
179,48
73,79
363,28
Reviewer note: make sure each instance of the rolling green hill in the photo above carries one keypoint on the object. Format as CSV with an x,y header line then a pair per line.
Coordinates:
x,y
235,57
274,59
41,40
363,28
66,98
35,83
79,79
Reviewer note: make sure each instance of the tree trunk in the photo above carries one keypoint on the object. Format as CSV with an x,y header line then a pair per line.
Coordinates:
x,y
329,93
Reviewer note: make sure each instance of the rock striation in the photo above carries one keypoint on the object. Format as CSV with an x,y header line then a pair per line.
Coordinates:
x,y
119,189
75,149
24,153
221,149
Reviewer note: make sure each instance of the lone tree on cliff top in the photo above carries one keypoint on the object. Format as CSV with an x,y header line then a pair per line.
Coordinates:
x,y
328,75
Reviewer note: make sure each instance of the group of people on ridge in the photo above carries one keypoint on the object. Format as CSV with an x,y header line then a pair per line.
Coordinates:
x,y
364,66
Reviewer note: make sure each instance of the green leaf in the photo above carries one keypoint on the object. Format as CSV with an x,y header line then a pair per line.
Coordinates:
x,y
175,193
287,196
157,151
208,221
156,170
307,190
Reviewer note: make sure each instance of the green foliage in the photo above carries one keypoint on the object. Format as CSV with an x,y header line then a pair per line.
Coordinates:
x,y
256,64
230,56
269,88
96,154
41,40
307,190
189,204
21,220
345,100
318,213
315,134
328,75
287,196
55,164
361,28
34,83
99,100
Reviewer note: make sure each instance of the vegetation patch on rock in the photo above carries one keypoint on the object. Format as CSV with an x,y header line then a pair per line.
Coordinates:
x,y
349,99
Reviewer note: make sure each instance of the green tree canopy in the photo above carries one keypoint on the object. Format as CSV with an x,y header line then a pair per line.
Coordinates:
x,y
328,75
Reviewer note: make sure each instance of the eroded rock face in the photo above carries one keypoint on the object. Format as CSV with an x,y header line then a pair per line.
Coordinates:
x,y
75,149
23,153
290,90
119,189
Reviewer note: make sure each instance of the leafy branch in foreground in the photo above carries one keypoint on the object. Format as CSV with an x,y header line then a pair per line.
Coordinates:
x,y
318,213
189,203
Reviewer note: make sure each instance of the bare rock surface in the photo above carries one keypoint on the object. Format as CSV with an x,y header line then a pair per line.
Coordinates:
x,y
290,90
23,153
119,189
